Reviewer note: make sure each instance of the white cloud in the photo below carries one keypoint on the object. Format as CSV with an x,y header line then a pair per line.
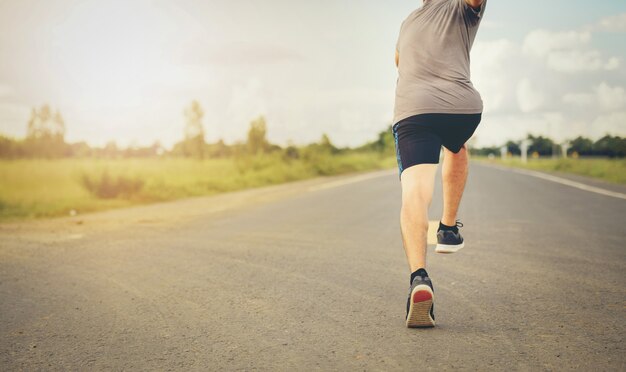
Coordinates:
x,y
613,123
616,23
542,42
603,97
579,99
567,51
492,73
572,61
529,98
610,98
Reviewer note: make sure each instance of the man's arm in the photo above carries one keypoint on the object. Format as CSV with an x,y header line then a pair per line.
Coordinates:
x,y
474,3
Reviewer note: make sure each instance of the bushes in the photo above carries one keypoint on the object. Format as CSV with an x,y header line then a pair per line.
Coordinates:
x,y
107,187
607,146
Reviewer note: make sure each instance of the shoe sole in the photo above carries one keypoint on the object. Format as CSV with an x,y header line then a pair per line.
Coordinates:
x,y
419,309
447,248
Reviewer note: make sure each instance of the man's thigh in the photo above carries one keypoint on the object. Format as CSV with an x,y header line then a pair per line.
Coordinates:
x,y
418,182
416,143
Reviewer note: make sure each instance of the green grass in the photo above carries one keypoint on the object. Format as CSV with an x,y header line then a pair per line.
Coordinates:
x,y
610,170
47,188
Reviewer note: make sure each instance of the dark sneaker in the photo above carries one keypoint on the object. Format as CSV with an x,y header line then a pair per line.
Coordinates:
x,y
450,241
419,306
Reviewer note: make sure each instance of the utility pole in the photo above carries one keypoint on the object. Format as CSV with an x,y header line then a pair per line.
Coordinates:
x,y
564,147
524,148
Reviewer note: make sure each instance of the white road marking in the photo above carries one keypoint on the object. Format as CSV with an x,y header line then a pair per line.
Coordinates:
x,y
350,180
432,232
566,182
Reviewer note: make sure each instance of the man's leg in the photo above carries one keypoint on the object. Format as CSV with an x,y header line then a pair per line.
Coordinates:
x,y
418,183
454,175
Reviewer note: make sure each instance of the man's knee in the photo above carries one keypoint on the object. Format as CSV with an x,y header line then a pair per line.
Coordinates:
x,y
416,215
417,197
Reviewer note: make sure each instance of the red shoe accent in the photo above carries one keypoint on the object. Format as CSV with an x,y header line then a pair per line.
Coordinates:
x,y
421,296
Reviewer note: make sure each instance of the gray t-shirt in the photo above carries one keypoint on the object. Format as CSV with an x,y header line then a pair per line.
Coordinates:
x,y
434,69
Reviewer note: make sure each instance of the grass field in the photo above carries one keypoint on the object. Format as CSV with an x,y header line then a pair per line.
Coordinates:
x,y
610,170
46,188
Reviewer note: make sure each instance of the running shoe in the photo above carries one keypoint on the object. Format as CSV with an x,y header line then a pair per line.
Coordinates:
x,y
419,307
450,241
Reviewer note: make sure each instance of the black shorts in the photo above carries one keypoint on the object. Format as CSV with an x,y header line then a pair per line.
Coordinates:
x,y
419,138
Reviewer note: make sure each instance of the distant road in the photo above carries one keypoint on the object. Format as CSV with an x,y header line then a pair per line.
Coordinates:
x,y
312,275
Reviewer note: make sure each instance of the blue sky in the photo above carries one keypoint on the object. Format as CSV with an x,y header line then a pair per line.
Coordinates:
x,y
125,70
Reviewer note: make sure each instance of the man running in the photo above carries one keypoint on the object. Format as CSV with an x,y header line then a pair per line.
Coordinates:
x,y
436,105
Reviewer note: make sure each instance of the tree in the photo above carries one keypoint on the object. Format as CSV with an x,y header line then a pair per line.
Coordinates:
x,y
540,145
9,147
326,145
111,150
513,148
80,149
611,146
45,133
43,123
384,144
194,144
485,151
257,141
581,145
291,151
59,124
218,149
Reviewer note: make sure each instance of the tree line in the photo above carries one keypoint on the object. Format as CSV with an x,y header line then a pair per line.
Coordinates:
x,y
607,146
46,139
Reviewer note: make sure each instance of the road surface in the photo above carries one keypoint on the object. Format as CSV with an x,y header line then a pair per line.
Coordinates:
x,y
312,276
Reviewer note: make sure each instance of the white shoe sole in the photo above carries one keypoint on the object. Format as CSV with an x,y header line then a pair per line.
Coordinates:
x,y
445,248
419,309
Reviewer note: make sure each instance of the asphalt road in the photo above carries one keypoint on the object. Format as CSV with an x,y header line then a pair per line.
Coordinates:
x,y
312,275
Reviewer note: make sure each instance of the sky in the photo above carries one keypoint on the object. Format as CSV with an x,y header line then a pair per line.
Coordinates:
x,y
125,70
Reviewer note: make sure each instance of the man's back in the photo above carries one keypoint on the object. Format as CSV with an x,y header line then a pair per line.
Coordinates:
x,y
434,66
